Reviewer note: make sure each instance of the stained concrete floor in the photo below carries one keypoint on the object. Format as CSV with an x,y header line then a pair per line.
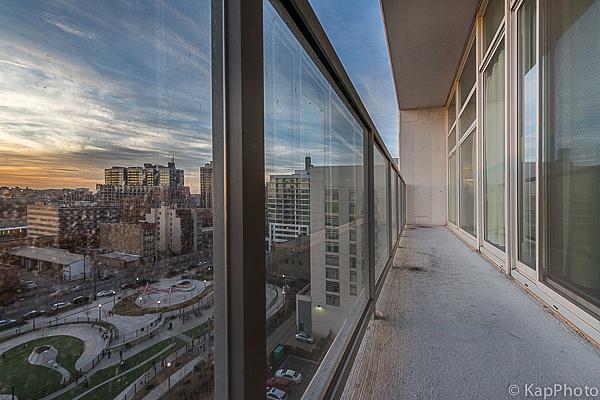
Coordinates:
x,y
455,327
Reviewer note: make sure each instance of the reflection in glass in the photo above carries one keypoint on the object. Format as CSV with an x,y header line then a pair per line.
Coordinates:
x,y
494,184
494,13
452,139
467,78
468,184
314,237
572,146
452,111
106,189
467,118
527,129
452,188
381,212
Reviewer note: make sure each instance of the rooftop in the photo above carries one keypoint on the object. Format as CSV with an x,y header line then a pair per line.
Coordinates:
x,y
47,254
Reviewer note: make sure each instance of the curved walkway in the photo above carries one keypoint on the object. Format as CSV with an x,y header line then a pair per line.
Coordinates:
x,y
457,328
94,343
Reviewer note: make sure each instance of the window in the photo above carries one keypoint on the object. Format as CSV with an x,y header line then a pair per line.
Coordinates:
x,y
106,116
332,234
352,235
494,183
332,220
353,289
332,286
468,184
332,207
394,193
452,189
571,82
452,111
381,211
332,247
352,262
332,273
527,132
494,14
332,300
468,115
467,77
352,248
353,276
332,260
452,139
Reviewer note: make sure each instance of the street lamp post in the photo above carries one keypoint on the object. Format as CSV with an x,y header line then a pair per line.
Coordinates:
x,y
100,312
284,302
169,373
157,305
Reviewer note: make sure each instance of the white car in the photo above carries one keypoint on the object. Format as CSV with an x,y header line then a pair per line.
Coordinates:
x,y
290,375
59,306
276,394
106,293
305,338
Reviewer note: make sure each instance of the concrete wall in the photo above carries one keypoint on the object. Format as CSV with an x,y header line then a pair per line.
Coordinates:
x,y
423,164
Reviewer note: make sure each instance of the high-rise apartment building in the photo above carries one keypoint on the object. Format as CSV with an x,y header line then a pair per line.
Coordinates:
x,y
152,185
179,230
206,185
288,206
65,222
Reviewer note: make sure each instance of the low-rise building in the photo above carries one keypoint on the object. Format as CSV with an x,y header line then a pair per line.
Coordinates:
x,y
70,266
130,238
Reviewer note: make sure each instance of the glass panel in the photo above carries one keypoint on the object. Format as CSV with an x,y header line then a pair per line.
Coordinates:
x,y
494,184
315,208
106,194
527,129
494,13
468,184
381,212
572,126
452,188
452,111
468,115
467,78
452,139
394,219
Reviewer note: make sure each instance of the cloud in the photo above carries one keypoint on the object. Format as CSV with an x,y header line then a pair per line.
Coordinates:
x,y
138,92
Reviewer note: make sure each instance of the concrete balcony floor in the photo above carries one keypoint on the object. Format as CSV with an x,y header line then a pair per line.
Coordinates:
x,y
455,327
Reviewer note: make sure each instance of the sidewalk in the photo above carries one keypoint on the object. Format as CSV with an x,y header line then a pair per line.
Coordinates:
x,y
177,376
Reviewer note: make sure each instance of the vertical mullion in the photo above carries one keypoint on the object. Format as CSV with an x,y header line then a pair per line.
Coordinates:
x,y
370,217
239,185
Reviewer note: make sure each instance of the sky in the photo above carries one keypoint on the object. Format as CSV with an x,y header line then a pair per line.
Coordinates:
x,y
88,85
355,29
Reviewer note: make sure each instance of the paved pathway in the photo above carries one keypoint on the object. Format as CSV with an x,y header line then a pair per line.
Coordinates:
x,y
176,376
457,328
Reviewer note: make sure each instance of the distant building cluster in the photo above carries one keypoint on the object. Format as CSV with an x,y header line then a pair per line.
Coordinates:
x,y
139,215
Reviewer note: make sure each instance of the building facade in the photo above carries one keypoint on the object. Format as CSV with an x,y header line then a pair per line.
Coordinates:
x,y
69,222
130,238
206,185
288,206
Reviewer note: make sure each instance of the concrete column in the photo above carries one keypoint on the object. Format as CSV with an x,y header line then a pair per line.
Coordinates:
x,y
423,164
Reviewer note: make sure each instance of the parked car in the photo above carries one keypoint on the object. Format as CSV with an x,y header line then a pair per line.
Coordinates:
x,y
76,288
33,314
289,374
59,306
106,293
31,285
5,323
276,394
279,383
305,338
126,286
107,277
81,300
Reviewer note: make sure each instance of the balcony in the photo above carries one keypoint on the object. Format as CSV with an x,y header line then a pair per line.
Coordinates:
x,y
454,325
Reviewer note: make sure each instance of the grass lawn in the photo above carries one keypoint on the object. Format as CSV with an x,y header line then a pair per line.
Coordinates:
x,y
141,359
199,330
35,381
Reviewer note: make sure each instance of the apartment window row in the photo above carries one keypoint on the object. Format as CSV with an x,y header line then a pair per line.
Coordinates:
x,y
523,164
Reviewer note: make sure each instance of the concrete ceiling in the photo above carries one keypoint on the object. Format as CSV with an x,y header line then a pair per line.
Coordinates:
x,y
426,39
